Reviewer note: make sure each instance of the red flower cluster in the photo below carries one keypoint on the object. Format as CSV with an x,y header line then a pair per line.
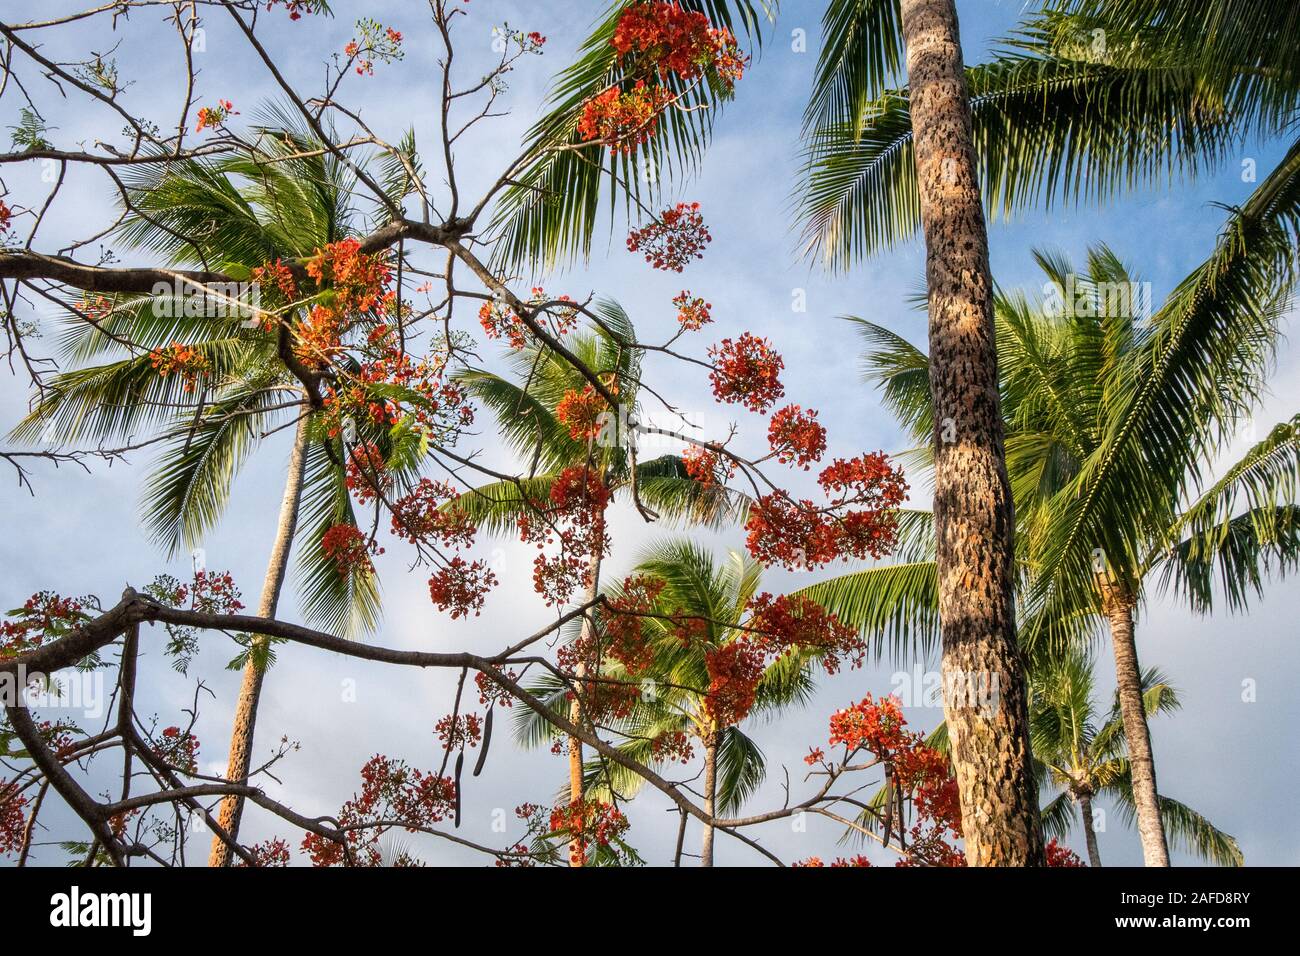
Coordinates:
x,y
623,120
296,8
391,793
349,549
746,370
859,522
796,437
675,745
490,692
839,861
1058,855
377,42
919,773
358,280
673,240
669,39
790,623
421,515
13,821
692,311
213,116
574,517
277,288
273,852
460,731
183,359
586,823
734,672
367,473
500,322
580,412
178,748
623,620
43,616
213,592
460,586
707,466
6,218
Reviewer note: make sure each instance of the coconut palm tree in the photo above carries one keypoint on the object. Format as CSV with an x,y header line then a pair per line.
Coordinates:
x,y
1114,421
1087,758
286,199
526,407
671,706
1088,98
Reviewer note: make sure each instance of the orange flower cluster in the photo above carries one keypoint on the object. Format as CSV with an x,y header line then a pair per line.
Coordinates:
x,y
673,240
796,437
185,360
746,370
692,311
663,37
580,412
390,791
624,120
349,549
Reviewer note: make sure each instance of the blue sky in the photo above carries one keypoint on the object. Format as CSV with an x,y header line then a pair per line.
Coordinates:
x,y
1231,759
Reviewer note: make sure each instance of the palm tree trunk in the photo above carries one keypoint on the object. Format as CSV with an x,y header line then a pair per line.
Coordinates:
x,y
1118,607
577,791
973,518
1089,832
710,792
250,691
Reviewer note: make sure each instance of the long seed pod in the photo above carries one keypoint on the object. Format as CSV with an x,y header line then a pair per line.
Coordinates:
x,y
460,762
487,739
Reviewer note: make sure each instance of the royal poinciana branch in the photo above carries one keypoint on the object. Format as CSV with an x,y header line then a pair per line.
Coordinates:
x,y
340,322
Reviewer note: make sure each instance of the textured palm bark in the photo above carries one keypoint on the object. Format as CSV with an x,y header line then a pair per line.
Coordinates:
x,y
250,690
1084,799
577,788
711,742
1118,607
973,517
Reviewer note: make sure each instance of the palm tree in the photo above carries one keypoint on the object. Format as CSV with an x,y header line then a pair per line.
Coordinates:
x,y
527,414
1089,98
551,213
1113,424
285,200
671,706
1087,760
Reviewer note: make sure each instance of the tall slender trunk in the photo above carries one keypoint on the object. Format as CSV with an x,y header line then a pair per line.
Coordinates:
x,y
250,691
711,742
1118,607
1084,799
973,518
577,790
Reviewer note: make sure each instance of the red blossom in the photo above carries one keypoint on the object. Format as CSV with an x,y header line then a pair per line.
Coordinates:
x,y
673,240
349,549
623,120
184,360
580,412
392,793
734,672
461,587
663,37
459,731
692,311
746,370
13,820
1058,855
423,515
796,437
